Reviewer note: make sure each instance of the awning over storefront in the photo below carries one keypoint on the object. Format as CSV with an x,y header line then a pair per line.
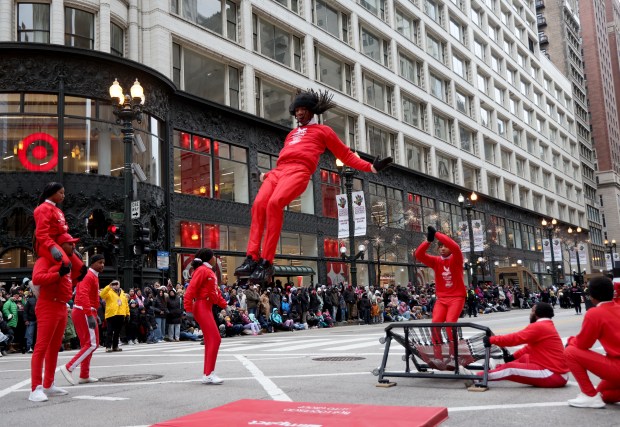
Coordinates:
x,y
291,270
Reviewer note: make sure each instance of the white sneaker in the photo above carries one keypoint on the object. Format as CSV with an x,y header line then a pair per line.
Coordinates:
x,y
55,391
67,374
37,395
212,379
88,380
585,401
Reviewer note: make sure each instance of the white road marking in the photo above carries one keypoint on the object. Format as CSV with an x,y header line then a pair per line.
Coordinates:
x,y
108,398
270,387
508,406
13,388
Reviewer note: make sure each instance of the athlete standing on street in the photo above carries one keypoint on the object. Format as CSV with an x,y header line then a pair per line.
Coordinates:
x,y
84,316
201,295
297,162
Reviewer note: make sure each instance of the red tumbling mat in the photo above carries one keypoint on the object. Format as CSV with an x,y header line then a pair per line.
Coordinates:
x,y
248,412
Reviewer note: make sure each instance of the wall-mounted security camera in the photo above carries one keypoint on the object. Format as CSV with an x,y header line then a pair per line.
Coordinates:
x,y
138,172
138,144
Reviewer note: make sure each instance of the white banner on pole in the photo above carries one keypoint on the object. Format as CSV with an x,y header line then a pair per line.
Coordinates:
x,y
580,251
478,232
359,214
608,265
557,250
547,250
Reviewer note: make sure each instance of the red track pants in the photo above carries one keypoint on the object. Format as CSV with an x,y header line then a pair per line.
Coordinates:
x,y
522,371
76,261
445,310
606,368
89,341
281,186
51,322
203,313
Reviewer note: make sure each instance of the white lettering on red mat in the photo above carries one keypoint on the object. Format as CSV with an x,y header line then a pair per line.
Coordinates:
x,y
281,423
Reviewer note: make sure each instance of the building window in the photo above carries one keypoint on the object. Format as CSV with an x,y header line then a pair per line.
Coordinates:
x,y
291,4
375,47
33,22
463,103
343,124
382,141
433,10
410,69
208,168
415,154
489,151
330,187
485,117
272,102
334,72
442,128
276,43
459,66
79,28
435,48
191,68
470,177
439,88
457,30
219,16
468,139
331,20
117,40
378,94
376,7
446,167
407,26
413,112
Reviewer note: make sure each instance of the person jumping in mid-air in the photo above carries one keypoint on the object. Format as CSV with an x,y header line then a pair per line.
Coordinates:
x,y
296,163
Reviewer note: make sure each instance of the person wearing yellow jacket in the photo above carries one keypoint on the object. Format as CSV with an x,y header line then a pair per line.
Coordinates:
x,y
116,309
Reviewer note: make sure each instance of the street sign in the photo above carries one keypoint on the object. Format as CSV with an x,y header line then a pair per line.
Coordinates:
x,y
135,209
163,260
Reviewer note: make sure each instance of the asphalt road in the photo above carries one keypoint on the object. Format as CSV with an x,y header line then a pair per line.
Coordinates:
x,y
162,381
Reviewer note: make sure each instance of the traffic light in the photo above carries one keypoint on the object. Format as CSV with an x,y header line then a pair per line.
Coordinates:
x,y
113,236
143,238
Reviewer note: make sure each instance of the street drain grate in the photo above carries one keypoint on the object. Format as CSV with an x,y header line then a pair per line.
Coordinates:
x,y
338,359
130,378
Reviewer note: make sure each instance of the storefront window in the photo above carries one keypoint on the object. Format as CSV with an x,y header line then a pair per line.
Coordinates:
x,y
330,187
29,143
209,168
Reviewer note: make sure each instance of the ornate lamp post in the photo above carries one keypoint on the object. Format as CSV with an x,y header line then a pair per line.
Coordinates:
x,y
579,275
549,227
127,108
468,205
348,174
611,247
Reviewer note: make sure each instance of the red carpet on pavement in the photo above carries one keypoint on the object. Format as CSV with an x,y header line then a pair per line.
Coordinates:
x,y
248,412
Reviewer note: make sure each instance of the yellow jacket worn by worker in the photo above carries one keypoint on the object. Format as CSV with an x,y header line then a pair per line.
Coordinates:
x,y
115,304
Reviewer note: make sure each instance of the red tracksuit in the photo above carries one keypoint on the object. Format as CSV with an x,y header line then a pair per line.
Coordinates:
x,y
296,163
85,304
49,224
201,294
449,285
540,363
51,311
600,323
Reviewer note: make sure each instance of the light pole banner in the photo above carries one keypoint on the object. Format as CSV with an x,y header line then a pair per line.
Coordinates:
x,y
464,236
478,235
572,252
547,250
608,262
582,251
557,249
359,214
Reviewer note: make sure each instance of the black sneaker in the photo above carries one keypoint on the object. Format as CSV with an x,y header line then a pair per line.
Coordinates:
x,y
247,268
263,271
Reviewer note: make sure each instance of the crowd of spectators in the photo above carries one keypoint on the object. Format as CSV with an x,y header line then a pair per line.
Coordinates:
x,y
156,314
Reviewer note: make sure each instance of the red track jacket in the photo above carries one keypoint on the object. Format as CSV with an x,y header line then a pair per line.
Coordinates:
x,y
203,286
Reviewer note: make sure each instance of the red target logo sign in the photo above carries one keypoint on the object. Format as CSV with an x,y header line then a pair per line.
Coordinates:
x,y
39,152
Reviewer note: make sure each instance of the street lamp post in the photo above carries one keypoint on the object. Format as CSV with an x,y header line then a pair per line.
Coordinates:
x,y
348,174
127,108
611,246
579,276
549,227
468,205
482,262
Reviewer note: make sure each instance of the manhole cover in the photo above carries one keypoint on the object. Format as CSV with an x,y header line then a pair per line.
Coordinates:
x,y
130,378
338,359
